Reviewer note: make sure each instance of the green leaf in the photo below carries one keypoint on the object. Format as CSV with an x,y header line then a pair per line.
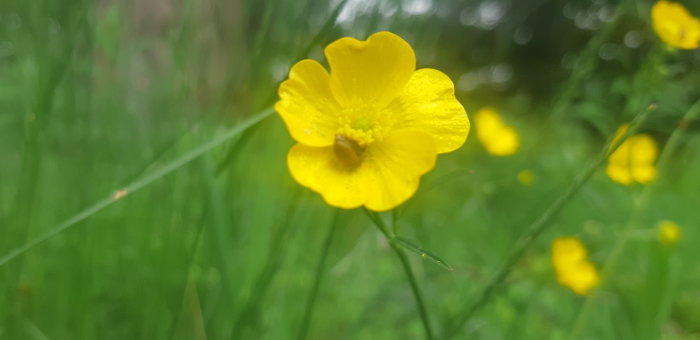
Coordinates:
x,y
422,252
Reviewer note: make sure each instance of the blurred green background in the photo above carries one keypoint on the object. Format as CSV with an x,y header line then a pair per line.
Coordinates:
x,y
95,95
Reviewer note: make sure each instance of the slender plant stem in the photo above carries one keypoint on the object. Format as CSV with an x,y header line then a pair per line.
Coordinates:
x,y
537,227
407,268
318,277
674,142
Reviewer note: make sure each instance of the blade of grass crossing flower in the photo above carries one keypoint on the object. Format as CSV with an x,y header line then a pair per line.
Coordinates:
x,y
538,226
674,142
140,183
422,252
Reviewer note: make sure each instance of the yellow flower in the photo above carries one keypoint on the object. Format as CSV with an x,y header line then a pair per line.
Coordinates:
x,y
371,128
570,261
634,160
498,138
669,233
675,26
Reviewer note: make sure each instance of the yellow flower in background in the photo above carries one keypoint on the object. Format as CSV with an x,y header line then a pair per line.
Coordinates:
x,y
675,26
371,128
669,233
634,160
497,138
573,270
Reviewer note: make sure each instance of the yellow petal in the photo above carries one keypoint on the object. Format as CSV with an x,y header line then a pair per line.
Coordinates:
x,y
387,176
394,167
675,25
372,71
619,173
633,160
567,250
580,277
319,169
307,105
643,149
497,138
573,270
643,173
427,103
504,143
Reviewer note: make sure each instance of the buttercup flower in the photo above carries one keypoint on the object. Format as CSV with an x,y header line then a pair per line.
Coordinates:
x,y
669,233
497,138
634,160
573,270
371,128
675,26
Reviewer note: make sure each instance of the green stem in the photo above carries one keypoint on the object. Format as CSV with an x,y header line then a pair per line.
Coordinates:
x,y
641,203
318,276
407,268
537,227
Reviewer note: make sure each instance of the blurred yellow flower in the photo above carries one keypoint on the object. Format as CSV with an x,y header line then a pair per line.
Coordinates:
x,y
573,270
526,177
497,138
634,160
371,128
669,233
675,26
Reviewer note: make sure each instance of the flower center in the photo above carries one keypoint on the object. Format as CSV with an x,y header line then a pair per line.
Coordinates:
x,y
362,130
358,128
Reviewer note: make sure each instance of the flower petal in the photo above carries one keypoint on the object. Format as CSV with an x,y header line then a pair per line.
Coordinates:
x,y
643,149
619,173
394,167
319,169
371,71
427,103
675,25
388,175
581,277
644,173
307,105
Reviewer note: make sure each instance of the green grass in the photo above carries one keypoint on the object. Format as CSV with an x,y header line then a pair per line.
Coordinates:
x,y
170,101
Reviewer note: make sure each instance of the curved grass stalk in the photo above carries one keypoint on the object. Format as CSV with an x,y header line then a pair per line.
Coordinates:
x,y
407,268
540,225
140,183
641,203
